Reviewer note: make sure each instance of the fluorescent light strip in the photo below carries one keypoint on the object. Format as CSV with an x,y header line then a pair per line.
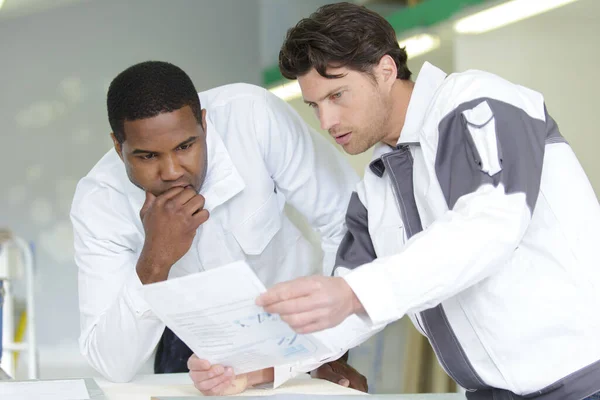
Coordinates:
x,y
504,14
415,46
287,91
419,44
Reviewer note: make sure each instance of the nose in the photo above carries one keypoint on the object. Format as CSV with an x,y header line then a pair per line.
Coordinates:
x,y
170,169
328,118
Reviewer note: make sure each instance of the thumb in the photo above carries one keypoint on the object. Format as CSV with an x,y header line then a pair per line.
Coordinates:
x,y
150,199
239,383
326,372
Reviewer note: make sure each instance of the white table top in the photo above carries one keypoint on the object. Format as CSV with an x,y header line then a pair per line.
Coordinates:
x,y
145,387
180,387
166,385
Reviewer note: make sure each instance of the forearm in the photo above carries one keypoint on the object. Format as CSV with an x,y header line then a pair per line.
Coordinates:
x,y
150,268
460,249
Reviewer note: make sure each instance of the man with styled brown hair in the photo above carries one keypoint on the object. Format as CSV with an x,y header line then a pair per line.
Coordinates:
x,y
474,217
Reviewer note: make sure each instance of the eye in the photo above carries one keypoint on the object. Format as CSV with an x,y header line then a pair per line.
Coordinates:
x,y
335,96
185,146
148,156
312,105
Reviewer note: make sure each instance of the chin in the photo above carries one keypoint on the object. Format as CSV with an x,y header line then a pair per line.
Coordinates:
x,y
353,150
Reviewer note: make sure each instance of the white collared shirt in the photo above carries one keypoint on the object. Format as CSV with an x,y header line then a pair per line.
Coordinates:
x,y
260,156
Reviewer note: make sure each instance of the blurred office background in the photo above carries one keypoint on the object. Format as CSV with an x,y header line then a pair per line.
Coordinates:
x,y
57,58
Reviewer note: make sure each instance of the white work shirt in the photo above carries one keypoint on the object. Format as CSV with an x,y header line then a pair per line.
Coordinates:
x,y
260,156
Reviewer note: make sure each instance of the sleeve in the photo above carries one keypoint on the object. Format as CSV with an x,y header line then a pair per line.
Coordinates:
x,y
488,166
118,330
356,248
312,175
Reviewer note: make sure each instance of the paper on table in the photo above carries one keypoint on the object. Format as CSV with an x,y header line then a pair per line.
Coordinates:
x,y
44,390
214,313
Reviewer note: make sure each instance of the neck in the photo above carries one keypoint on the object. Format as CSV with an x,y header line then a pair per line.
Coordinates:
x,y
400,97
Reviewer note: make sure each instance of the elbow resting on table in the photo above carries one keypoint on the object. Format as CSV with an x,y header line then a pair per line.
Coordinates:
x,y
118,370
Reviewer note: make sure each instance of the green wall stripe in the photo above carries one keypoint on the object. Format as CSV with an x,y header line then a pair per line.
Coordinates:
x,y
272,75
427,13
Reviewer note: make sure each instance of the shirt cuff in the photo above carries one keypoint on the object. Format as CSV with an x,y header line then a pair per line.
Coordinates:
x,y
134,296
282,374
370,285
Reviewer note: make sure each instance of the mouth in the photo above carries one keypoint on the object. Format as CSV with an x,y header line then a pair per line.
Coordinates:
x,y
343,139
183,185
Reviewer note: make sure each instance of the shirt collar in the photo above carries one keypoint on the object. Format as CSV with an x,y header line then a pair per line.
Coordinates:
x,y
429,80
223,181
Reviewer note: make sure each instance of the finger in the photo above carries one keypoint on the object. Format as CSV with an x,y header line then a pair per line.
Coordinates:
x,y
301,320
314,327
197,364
213,385
195,204
223,387
355,379
208,379
327,373
200,217
169,194
184,196
300,287
238,385
322,372
298,306
340,370
360,384
198,375
150,199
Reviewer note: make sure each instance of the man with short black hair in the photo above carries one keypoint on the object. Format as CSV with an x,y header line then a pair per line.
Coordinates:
x,y
187,189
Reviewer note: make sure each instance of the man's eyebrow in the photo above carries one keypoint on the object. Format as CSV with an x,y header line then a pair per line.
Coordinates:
x,y
140,151
189,140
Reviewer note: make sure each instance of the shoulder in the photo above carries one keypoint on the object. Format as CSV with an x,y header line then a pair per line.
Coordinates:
x,y
465,90
102,193
232,95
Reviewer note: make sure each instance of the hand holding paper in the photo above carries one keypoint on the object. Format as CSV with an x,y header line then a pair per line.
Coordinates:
x,y
312,303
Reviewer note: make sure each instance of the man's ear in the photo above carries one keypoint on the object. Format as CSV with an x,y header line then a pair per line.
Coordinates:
x,y
204,120
118,146
387,70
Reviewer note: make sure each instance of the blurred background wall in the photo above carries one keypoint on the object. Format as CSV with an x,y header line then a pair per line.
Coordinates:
x,y
56,65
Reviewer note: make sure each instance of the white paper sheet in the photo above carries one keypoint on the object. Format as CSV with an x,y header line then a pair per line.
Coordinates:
x,y
214,313
44,390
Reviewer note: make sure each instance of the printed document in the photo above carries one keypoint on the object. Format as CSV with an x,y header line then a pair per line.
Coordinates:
x,y
44,390
214,313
